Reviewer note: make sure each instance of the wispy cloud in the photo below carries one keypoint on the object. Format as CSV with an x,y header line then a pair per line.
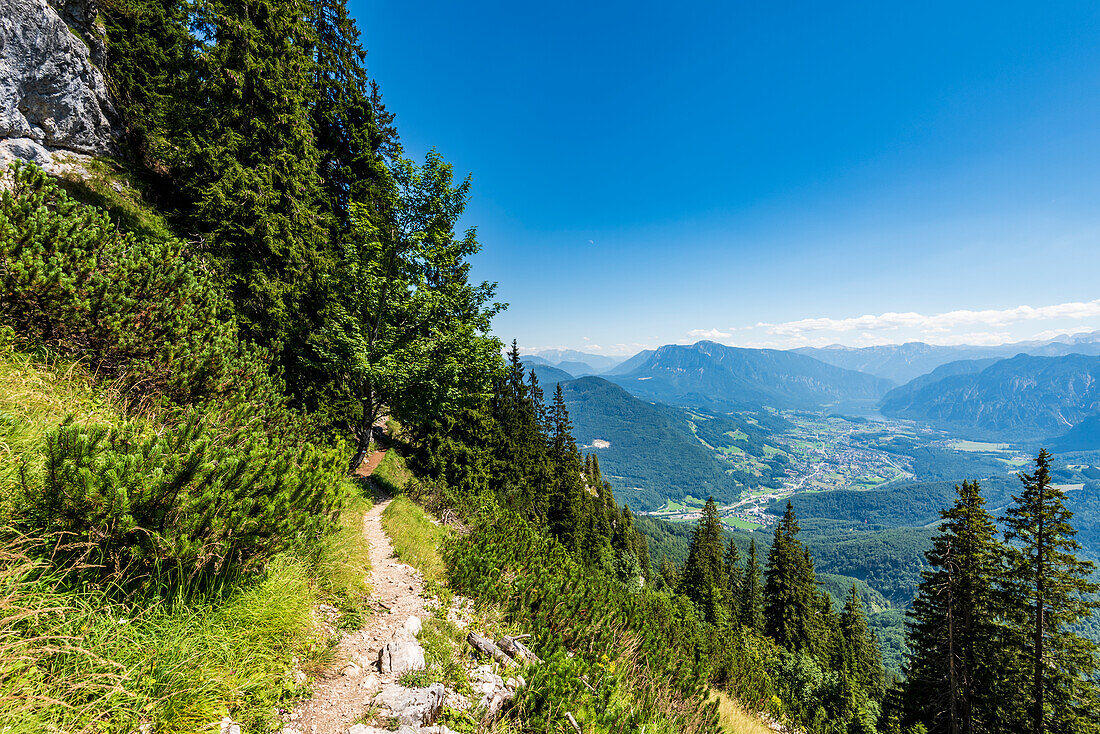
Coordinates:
x,y
709,334
935,323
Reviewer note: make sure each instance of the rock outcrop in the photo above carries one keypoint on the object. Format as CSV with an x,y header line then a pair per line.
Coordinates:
x,y
51,92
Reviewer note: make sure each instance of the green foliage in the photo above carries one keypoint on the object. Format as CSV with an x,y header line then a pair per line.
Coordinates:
x,y
143,311
1046,590
952,633
789,589
620,642
706,576
188,503
403,327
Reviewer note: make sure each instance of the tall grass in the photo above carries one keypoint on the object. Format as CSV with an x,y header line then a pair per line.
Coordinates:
x,y
86,660
416,540
76,661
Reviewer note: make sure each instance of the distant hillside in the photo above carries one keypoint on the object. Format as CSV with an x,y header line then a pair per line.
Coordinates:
x,y
625,368
903,362
900,398
549,376
1085,436
1024,396
715,376
578,369
650,454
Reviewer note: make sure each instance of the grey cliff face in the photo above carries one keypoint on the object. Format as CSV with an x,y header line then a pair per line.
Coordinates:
x,y
51,91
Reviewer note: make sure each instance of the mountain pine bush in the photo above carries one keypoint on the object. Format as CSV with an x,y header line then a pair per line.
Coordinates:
x,y
140,310
181,504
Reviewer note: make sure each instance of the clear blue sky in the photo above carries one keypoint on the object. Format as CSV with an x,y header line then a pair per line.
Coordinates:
x,y
763,173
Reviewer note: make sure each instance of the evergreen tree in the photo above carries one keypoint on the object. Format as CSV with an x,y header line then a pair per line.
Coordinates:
x,y
864,659
668,575
751,602
566,492
248,164
790,589
952,630
1046,591
732,567
704,577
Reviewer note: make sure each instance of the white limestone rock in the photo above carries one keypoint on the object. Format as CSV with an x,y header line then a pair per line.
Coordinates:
x,y
50,90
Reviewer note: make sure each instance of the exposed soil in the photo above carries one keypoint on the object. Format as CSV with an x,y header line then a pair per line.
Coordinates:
x,y
339,698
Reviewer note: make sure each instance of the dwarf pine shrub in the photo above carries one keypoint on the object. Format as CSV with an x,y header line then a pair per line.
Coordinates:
x,y
142,310
182,504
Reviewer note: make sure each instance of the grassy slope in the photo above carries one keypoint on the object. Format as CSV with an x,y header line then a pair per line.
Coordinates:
x,y
418,542
77,661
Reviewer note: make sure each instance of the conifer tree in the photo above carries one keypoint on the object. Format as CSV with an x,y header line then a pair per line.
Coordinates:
x,y
751,601
861,646
790,589
1046,590
733,569
564,507
669,576
704,577
952,630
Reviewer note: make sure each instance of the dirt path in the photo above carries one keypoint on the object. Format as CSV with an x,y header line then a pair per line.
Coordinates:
x,y
370,464
344,692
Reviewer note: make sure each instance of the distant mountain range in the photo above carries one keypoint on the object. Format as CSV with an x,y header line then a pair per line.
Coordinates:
x,y
575,362
710,375
1024,396
903,362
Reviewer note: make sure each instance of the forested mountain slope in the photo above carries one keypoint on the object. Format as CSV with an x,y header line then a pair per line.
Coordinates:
x,y
708,374
650,454
1025,395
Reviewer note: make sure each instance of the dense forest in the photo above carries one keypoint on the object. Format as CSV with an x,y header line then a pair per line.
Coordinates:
x,y
198,342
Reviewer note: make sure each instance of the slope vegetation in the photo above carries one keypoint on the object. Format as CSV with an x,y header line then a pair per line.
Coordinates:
x,y
1023,396
711,375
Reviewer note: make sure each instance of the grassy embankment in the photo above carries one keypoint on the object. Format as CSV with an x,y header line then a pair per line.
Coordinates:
x,y
419,541
81,659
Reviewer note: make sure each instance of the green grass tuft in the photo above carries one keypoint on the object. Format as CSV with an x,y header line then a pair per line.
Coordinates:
x,y
416,540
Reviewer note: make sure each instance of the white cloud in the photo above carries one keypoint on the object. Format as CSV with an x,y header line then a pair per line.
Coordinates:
x,y
708,334
935,323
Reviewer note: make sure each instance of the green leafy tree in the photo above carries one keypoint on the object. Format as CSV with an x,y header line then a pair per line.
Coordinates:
x,y
1046,591
405,328
953,632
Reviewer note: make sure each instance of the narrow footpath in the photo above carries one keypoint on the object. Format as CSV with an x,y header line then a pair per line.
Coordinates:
x,y
346,691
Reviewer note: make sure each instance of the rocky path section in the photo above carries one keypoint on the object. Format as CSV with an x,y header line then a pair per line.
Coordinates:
x,y
369,661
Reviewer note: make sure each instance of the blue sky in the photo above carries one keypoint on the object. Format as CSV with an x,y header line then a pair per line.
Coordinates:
x,y
764,174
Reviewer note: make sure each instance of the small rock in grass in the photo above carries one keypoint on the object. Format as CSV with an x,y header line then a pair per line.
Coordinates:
x,y
413,626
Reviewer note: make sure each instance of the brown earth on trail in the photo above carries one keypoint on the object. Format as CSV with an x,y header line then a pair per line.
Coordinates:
x,y
345,692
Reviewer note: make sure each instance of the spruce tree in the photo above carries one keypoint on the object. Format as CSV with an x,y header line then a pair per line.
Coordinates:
x,y
1046,591
704,578
952,629
861,646
564,507
733,571
751,598
790,589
